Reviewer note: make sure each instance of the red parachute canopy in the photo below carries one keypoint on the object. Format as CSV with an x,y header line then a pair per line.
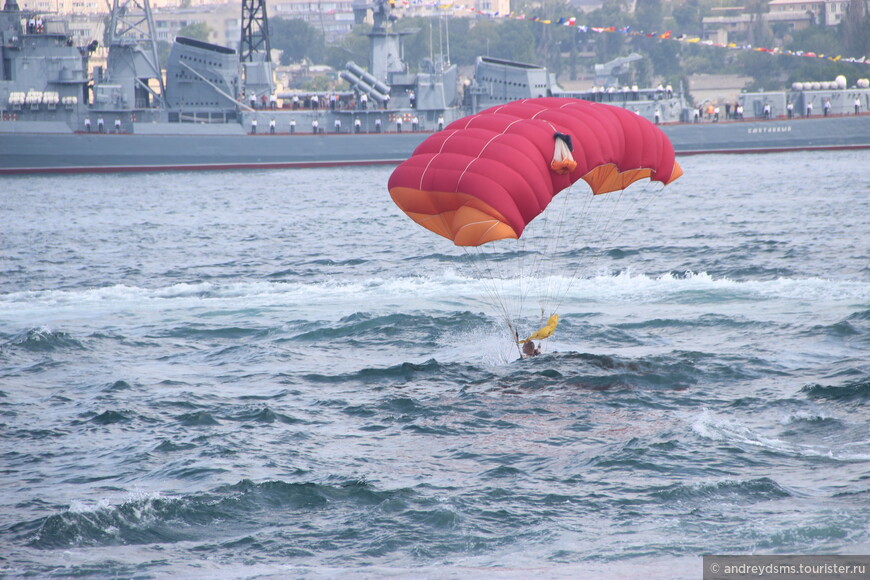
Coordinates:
x,y
486,176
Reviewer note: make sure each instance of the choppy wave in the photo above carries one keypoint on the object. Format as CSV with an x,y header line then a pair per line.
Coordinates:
x,y
43,339
683,288
853,391
220,386
737,433
733,491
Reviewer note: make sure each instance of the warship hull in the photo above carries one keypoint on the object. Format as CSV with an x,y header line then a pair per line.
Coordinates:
x,y
35,148
25,153
841,132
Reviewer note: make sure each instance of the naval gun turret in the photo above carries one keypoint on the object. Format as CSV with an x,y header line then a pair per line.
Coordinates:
x,y
607,74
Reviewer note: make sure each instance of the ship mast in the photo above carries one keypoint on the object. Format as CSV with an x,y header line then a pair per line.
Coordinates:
x,y
254,51
133,48
385,56
255,31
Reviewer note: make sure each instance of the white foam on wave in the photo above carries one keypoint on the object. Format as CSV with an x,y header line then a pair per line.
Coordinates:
x,y
730,430
433,291
133,497
629,285
804,416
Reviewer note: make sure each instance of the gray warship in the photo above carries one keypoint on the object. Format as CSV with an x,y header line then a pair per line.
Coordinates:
x,y
216,108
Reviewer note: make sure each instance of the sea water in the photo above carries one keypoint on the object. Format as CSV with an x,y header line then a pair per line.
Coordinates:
x,y
278,374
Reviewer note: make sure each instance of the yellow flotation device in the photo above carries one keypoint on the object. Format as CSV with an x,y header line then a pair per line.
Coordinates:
x,y
545,331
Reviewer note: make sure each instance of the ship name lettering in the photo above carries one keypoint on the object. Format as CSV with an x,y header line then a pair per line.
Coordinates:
x,y
786,129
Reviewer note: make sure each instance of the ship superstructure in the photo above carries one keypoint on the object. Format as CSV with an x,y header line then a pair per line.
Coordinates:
x,y
43,76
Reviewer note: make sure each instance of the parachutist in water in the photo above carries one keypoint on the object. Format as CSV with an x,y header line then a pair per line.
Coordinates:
x,y
530,350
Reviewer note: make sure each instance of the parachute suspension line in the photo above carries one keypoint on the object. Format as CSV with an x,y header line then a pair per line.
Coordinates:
x,y
542,272
557,247
538,275
493,283
484,273
635,205
526,280
601,227
544,265
570,274
536,259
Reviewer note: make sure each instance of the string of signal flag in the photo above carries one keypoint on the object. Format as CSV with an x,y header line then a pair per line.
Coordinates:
x,y
668,35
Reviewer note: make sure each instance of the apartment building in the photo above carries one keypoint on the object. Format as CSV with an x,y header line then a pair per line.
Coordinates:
x,y
785,15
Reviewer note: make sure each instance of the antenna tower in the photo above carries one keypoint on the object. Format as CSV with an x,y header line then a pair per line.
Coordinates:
x,y
133,25
255,31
